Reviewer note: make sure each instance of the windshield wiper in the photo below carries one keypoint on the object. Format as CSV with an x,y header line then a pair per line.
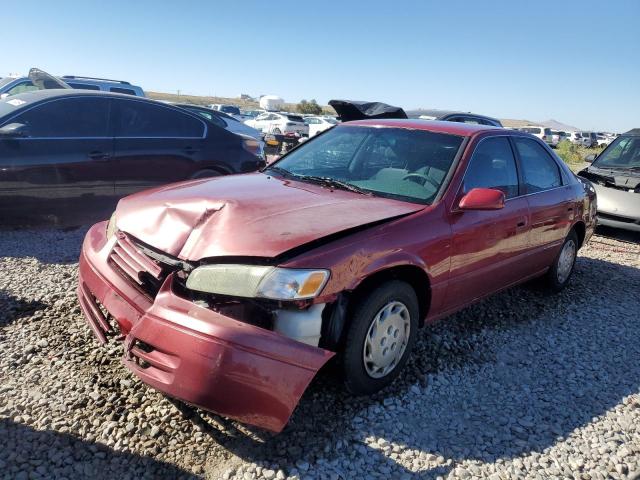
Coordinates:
x,y
333,183
281,171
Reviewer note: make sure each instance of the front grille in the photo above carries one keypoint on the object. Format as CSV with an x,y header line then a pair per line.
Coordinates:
x,y
130,260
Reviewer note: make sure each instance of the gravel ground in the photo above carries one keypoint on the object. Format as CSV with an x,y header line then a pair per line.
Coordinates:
x,y
521,385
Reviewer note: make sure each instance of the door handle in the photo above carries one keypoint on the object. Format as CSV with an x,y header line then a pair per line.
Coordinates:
x,y
522,222
190,150
97,155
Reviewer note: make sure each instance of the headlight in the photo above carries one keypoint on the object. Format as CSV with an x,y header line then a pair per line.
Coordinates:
x,y
111,226
258,281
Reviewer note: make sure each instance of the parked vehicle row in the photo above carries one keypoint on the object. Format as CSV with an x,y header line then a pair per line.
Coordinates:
x,y
64,149
280,124
233,292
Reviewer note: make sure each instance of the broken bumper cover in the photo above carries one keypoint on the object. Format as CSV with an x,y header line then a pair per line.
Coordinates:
x,y
193,353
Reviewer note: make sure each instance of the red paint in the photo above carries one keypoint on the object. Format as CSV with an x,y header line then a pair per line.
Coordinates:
x,y
258,376
482,199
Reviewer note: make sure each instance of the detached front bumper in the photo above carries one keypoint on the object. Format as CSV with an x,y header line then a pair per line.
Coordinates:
x,y
193,353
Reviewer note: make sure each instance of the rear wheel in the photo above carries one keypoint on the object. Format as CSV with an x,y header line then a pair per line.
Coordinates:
x,y
380,337
562,268
277,131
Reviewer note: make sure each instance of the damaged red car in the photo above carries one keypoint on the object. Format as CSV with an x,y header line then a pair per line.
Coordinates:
x,y
231,293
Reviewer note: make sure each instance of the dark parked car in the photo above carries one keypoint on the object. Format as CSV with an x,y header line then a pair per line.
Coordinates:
x,y
345,246
62,149
454,116
615,175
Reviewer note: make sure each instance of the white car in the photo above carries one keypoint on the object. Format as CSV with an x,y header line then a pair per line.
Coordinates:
x,y
543,133
319,124
280,124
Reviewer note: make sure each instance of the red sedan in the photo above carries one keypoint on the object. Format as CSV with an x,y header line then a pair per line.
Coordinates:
x,y
231,293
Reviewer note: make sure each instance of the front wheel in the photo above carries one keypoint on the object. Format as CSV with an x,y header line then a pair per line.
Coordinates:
x,y
560,272
380,337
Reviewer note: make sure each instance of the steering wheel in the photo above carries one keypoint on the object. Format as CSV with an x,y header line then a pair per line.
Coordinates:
x,y
424,177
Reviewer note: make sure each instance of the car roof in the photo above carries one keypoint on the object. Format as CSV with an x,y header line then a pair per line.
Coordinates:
x,y
453,128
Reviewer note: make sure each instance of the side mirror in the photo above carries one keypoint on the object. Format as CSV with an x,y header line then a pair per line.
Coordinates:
x,y
590,158
482,199
3,95
14,130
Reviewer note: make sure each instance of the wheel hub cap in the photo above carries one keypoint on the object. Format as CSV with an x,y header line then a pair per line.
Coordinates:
x,y
386,339
565,261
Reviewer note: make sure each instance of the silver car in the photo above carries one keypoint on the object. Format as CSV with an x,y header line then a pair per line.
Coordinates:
x,y
615,175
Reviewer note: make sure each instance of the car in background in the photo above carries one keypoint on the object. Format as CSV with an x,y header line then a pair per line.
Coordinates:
x,y
231,293
319,124
62,150
36,80
603,139
251,114
231,110
543,133
103,85
225,121
274,123
615,175
588,139
569,136
14,86
454,116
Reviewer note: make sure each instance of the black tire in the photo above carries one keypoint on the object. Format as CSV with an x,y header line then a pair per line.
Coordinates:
x,y
357,380
554,281
205,174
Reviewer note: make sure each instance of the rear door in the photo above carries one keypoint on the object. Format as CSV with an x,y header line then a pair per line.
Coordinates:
x,y
154,144
66,156
488,247
550,199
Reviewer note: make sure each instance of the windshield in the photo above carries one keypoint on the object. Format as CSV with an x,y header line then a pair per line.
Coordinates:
x,y
398,163
624,152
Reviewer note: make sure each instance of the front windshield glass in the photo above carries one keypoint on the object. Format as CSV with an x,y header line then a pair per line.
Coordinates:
x,y
398,163
624,152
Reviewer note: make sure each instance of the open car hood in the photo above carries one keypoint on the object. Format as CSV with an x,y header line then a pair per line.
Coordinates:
x,y
45,81
250,215
349,110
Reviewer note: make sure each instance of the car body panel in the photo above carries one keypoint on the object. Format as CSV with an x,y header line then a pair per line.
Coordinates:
x,y
459,257
197,353
194,220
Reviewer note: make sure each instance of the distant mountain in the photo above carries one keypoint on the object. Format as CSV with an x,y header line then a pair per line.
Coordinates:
x,y
556,125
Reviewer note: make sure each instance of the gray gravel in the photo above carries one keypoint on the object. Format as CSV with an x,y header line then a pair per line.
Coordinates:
x,y
522,385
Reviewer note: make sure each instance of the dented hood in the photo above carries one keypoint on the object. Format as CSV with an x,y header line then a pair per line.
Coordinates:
x,y
247,215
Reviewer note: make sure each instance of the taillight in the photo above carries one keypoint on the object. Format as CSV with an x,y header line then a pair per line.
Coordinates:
x,y
253,146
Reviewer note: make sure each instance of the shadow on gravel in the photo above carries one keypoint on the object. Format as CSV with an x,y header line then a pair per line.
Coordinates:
x,y
30,453
568,358
619,234
13,308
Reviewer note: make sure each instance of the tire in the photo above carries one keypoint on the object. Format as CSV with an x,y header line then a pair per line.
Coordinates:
x,y
205,174
398,300
277,131
561,270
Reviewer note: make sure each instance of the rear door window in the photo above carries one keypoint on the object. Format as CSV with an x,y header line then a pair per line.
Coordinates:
x,y
22,87
539,171
139,119
493,166
83,117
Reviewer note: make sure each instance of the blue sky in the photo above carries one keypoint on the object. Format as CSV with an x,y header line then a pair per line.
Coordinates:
x,y
574,61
